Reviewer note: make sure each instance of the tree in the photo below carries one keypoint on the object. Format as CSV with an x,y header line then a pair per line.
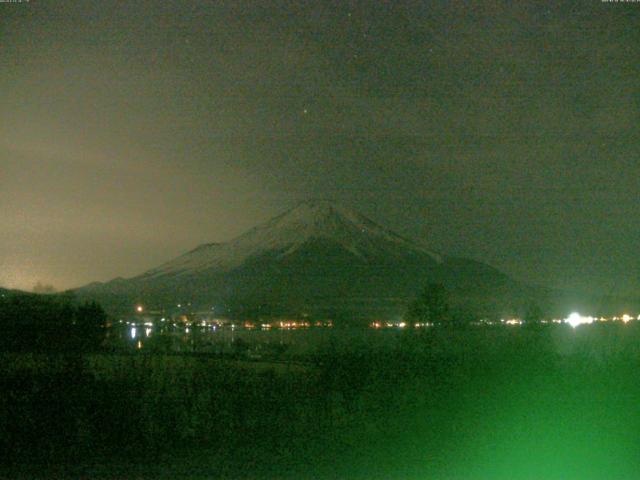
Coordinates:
x,y
533,313
431,306
89,322
50,323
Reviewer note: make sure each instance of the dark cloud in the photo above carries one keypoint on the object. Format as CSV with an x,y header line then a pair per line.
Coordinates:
x,y
131,132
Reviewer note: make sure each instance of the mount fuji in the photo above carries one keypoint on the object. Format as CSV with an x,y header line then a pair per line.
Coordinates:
x,y
290,233
318,259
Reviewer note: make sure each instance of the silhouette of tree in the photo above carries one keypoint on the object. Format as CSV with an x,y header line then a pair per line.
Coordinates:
x,y
89,322
430,306
533,314
47,323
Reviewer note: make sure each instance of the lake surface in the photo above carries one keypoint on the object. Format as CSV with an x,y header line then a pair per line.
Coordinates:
x,y
227,340
598,340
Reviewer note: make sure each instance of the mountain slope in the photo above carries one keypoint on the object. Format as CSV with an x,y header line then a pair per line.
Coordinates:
x,y
286,233
317,258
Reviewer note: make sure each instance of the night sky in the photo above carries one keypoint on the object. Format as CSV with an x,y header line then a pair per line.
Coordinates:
x,y
509,132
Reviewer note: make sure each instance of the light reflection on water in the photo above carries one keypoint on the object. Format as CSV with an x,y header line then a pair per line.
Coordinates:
x,y
564,340
226,339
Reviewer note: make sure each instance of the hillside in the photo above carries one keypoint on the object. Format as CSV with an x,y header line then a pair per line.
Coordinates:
x,y
319,259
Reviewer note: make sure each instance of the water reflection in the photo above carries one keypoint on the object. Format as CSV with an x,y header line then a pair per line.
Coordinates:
x,y
234,339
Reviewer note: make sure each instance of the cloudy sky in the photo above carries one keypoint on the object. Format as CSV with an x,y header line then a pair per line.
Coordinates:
x,y
508,132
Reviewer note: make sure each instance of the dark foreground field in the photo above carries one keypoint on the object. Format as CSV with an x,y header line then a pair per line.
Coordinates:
x,y
505,403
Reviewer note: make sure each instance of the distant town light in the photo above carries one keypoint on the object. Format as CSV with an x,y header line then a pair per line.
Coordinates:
x,y
626,318
575,319
139,309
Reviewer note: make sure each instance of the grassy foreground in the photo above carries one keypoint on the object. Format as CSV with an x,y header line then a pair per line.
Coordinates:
x,y
504,403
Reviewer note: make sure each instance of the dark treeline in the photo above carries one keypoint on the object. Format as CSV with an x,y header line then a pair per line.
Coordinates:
x,y
49,323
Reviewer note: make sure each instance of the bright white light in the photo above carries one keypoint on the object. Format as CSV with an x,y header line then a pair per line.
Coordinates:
x,y
133,332
147,331
402,324
626,318
576,319
139,308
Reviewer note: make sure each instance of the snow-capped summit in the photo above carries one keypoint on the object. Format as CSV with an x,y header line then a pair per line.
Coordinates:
x,y
312,220
318,258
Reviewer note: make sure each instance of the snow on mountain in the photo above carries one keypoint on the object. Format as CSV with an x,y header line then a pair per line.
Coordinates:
x,y
286,233
318,258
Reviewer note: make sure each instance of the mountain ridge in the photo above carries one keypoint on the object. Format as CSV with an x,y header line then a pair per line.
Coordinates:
x,y
290,230
318,257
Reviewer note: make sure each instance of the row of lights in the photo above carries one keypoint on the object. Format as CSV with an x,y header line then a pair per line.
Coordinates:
x,y
287,324
575,319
